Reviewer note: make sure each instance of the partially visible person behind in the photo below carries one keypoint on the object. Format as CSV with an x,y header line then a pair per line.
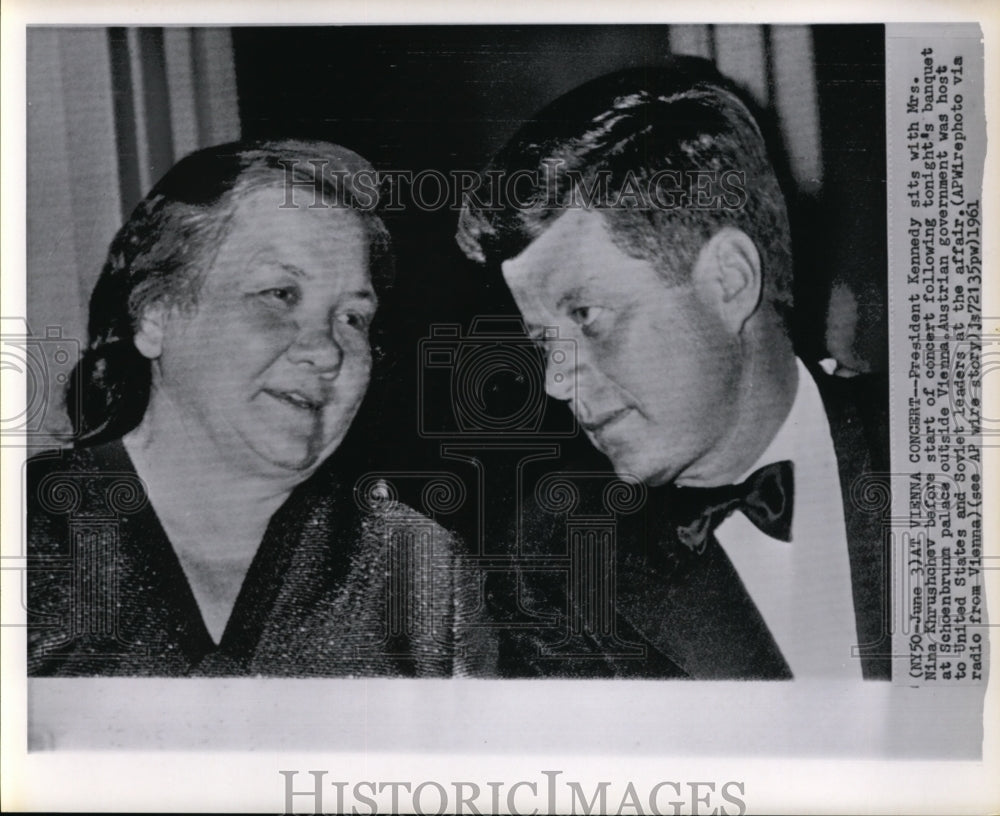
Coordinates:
x,y
659,247
197,527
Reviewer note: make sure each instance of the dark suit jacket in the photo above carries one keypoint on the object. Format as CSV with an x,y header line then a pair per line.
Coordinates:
x,y
336,588
676,615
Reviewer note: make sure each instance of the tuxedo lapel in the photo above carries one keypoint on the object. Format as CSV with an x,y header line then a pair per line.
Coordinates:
x,y
701,617
857,410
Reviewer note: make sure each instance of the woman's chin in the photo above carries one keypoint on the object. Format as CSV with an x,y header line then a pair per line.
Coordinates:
x,y
289,458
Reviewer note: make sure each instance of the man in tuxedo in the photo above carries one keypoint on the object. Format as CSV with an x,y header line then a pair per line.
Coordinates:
x,y
640,216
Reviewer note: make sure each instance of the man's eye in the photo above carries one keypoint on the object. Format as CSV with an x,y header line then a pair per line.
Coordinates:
x,y
285,295
356,320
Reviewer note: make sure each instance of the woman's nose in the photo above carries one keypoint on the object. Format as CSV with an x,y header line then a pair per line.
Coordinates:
x,y
319,349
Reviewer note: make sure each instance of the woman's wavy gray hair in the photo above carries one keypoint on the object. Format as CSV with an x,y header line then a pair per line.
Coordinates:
x,y
168,243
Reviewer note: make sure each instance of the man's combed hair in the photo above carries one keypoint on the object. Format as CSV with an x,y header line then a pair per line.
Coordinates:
x,y
610,145
163,251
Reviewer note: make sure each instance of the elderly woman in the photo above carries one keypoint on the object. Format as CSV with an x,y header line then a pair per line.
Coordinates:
x,y
185,534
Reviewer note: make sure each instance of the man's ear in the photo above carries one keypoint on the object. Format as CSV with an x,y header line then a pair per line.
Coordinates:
x,y
727,275
151,329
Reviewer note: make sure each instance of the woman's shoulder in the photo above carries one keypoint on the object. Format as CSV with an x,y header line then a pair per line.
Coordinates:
x,y
96,459
81,480
434,583
387,519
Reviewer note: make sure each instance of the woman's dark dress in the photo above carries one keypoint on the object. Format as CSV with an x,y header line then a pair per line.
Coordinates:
x,y
340,586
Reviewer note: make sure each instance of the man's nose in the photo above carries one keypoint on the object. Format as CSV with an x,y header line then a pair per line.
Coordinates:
x,y
319,349
560,374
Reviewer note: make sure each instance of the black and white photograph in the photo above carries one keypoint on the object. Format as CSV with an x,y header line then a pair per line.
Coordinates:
x,y
520,388
599,449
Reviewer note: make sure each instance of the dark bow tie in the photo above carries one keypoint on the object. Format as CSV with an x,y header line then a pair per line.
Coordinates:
x,y
766,498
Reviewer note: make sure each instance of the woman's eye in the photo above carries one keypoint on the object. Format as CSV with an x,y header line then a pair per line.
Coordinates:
x,y
585,315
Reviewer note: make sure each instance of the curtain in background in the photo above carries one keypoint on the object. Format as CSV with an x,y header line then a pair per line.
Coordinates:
x,y
108,112
776,65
